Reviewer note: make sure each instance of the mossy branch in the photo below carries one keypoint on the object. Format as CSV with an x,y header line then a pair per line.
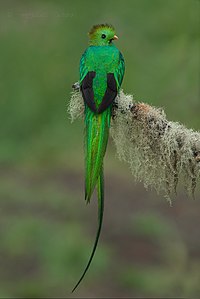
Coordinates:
x,y
160,153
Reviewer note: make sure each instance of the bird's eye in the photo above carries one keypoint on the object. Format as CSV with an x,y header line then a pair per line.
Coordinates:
x,y
103,36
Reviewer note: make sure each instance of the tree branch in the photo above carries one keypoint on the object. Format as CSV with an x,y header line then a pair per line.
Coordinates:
x,y
160,153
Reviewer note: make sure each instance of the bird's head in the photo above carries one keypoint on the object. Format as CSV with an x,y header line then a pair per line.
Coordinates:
x,y
102,35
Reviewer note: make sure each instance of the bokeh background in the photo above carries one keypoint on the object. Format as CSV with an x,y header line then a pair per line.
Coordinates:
x,y
147,248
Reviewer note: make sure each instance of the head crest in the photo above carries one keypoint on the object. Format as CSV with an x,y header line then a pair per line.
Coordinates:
x,y
96,27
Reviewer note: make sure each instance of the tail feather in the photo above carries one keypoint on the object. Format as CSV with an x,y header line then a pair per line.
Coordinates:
x,y
90,128
100,189
101,144
97,130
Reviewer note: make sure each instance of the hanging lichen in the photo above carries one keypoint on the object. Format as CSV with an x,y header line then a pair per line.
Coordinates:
x,y
160,153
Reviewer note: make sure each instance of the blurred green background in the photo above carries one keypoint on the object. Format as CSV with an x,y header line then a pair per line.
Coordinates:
x,y
146,248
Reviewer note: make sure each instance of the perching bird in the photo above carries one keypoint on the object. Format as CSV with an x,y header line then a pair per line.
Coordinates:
x,y
101,74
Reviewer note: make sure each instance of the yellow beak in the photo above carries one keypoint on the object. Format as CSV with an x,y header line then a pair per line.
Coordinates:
x,y
115,37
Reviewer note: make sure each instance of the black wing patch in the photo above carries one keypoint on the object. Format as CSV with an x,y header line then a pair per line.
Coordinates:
x,y
110,94
87,91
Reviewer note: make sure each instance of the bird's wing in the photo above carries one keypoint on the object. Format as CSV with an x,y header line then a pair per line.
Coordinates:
x,y
86,81
119,72
83,70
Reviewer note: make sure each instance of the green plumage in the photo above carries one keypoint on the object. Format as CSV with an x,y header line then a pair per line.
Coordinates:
x,y
101,57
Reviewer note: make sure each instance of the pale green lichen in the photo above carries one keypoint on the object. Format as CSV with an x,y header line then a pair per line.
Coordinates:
x,y
160,153
76,105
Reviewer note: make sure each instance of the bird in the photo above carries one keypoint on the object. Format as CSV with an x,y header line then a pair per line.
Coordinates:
x,y
101,70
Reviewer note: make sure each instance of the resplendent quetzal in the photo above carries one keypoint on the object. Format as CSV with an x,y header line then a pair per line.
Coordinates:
x,y
101,74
